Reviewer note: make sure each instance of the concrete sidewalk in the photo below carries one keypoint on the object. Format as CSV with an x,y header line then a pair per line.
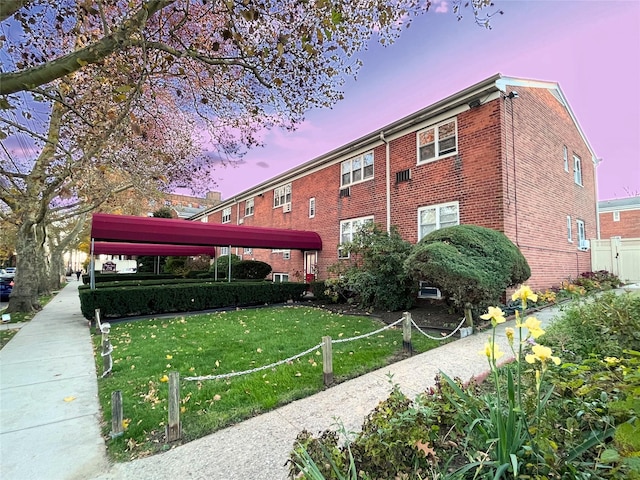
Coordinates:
x,y
50,359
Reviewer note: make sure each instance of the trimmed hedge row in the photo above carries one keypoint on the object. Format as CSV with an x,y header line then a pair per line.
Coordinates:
x,y
126,301
114,277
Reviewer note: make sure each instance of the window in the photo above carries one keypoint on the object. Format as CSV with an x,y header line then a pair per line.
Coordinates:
x,y
577,170
312,207
616,216
356,169
581,234
248,251
347,230
280,277
435,217
226,215
248,207
224,251
286,255
282,195
569,233
565,153
204,219
437,141
427,291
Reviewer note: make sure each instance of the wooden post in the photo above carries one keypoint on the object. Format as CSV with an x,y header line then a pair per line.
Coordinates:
x,y
468,315
96,320
327,361
406,333
117,429
174,429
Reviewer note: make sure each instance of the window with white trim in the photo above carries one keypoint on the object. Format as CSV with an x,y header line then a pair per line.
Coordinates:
x,y
437,141
204,219
356,169
248,251
280,277
581,233
224,251
248,207
435,217
616,216
565,154
577,170
281,195
569,229
226,215
286,255
312,207
348,228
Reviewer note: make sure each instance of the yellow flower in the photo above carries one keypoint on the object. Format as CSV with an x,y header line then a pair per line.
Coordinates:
x,y
125,423
169,357
509,332
164,378
533,325
495,314
541,354
492,351
611,360
524,293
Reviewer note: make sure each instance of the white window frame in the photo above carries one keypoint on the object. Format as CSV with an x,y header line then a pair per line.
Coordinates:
x,y
248,207
286,255
248,251
312,207
204,219
360,166
581,231
281,195
565,153
353,224
616,215
224,251
281,277
226,215
438,214
436,141
569,229
577,170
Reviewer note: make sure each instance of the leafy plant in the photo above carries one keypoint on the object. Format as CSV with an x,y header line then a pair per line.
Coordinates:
x,y
251,270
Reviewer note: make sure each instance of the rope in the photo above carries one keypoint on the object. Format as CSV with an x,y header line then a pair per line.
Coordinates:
x,y
438,338
342,340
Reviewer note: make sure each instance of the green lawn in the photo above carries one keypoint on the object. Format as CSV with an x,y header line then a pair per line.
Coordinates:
x,y
219,343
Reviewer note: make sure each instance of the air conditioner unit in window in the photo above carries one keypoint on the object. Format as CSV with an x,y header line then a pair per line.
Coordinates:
x,y
286,207
427,291
584,245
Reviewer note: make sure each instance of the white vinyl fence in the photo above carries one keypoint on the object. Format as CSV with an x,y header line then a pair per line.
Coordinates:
x,y
617,255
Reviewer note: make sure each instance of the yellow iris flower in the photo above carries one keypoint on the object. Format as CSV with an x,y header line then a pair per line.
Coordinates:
x,y
492,351
541,354
509,332
524,293
533,325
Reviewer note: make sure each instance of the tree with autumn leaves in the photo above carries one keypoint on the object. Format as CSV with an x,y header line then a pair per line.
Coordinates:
x,y
105,96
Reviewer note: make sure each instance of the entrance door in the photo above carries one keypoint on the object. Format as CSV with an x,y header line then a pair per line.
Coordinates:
x,y
310,262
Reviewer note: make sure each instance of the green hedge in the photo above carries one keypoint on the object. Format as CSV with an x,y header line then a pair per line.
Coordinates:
x,y
133,300
113,277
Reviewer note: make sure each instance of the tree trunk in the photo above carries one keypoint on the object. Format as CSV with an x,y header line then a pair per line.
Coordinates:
x,y
24,297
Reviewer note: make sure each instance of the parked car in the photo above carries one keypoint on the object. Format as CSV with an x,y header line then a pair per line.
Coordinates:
x,y
6,285
11,270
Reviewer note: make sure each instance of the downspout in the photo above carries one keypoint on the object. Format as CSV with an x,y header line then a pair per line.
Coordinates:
x,y
595,189
388,176
92,275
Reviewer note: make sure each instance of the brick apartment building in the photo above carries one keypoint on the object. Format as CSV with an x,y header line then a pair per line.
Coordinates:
x,y
620,218
505,153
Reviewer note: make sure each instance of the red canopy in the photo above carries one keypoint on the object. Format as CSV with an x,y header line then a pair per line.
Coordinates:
x,y
120,248
151,230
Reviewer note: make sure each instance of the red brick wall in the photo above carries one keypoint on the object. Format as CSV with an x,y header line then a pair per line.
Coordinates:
x,y
627,227
539,193
505,175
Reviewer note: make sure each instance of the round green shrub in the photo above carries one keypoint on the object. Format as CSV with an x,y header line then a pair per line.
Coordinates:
x,y
468,263
251,270
222,264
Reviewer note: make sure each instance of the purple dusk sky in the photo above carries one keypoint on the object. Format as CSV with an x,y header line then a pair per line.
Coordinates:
x,y
591,48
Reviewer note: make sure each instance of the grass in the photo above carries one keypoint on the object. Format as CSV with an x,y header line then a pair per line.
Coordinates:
x,y
223,342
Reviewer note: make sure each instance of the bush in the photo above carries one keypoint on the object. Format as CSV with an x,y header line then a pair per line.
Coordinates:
x,y
251,270
222,264
374,275
468,263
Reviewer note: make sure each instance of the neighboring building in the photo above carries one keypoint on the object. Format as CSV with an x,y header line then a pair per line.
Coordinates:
x,y
505,153
620,218
185,206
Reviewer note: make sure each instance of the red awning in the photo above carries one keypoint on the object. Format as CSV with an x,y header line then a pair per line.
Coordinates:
x,y
123,228
120,248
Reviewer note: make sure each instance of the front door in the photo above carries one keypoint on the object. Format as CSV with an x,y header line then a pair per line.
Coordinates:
x,y
310,262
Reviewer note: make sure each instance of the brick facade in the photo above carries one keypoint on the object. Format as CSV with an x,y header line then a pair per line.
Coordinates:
x,y
506,173
620,218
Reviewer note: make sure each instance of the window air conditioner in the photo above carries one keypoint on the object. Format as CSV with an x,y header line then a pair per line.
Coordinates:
x,y
286,207
584,245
